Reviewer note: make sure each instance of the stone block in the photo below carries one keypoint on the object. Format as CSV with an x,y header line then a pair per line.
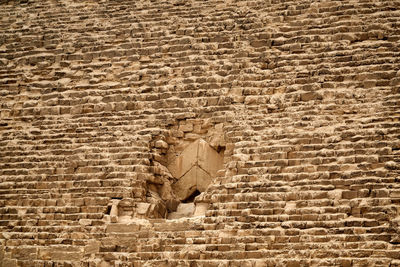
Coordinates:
x,y
8,263
201,209
183,210
186,185
24,253
349,194
122,228
185,161
203,179
187,127
209,159
92,247
61,253
142,208
161,144
310,96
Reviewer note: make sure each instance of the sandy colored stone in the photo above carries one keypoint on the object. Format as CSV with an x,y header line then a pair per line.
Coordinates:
x,y
203,179
197,164
201,209
208,159
185,161
300,98
186,185
122,228
61,253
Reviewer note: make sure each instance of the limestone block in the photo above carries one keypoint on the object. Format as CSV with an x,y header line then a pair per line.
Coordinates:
x,y
310,96
92,247
186,127
142,208
161,144
186,185
209,159
195,168
114,211
122,228
203,179
24,253
185,161
186,208
8,263
183,210
200,209
104,264
69,253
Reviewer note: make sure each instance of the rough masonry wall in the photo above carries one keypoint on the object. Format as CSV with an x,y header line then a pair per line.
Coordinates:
x,y
301,98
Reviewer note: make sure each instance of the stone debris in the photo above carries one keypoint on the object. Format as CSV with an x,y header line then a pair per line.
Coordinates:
x,y
199,133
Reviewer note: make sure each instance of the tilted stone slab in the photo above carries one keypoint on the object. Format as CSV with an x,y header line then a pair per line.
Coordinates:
x,y
209,159
186,186
185,161
203,179
195,168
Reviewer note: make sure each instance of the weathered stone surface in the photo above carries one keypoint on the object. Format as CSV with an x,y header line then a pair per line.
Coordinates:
x,y
200,209
92,247
61,253
142,208
25,253
208,159
122,228
184,162
299,98
183,210
195,168
187,184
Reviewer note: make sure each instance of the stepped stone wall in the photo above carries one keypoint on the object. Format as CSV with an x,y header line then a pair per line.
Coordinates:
x,y
104,104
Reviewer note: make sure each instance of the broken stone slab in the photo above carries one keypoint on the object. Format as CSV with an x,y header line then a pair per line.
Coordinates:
x,y
203,179
209,159
185,161
186,186
195,168
183,210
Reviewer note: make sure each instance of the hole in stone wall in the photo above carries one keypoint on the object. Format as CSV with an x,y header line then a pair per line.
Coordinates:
x,y
220,150
108,211
191,197
194,169
185,161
